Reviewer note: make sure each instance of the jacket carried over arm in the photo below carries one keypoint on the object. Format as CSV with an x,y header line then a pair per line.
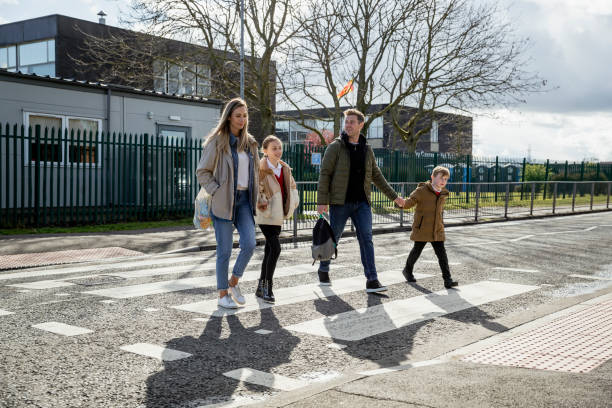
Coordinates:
x,y
334,175
428,224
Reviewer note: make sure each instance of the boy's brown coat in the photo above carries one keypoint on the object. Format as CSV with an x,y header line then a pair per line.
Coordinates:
x,y
428,224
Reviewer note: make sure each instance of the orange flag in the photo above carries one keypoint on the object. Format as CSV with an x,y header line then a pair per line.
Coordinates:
x,y
348,88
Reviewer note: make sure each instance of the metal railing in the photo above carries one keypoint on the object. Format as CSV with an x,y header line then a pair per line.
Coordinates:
x,y
473,202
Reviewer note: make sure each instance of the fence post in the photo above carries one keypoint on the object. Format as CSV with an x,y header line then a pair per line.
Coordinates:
x,y
523,177
37,177
295,223
477,202
496,175
592,193
507,198
532,197
468,177
554,205
608,198
145,176
402,208
545,179
574,197
565,178
582,171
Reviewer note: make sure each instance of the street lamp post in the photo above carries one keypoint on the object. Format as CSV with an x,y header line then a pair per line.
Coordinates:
x,y
242,49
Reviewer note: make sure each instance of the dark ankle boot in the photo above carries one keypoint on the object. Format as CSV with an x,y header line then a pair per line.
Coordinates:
x,y
260,288
449,283
407,272
268,296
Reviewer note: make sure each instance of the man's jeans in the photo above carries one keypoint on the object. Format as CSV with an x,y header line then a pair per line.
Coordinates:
x,y
361,215
245,224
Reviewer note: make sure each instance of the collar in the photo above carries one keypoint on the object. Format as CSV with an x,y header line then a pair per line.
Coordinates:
x,y
345,138
270,165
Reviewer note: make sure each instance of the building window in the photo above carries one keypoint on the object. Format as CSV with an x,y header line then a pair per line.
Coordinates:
x,y
8,58
69,139
191,79
35,58
376,129
433,133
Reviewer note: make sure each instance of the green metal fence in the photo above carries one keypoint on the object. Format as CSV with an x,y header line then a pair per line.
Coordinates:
x,y
74,178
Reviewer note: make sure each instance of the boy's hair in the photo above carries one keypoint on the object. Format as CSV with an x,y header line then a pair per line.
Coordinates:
x,y
440,170
355,112
270,139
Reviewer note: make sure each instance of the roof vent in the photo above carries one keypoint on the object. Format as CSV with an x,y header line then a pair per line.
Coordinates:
x,y
102,20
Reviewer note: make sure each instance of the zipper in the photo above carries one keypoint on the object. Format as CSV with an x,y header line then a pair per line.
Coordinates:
x,y
421,222
435,216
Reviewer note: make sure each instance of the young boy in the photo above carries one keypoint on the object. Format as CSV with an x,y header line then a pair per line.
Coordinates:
x,y
428,225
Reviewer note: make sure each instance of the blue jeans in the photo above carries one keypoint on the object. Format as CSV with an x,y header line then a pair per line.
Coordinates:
x,y
224,229
361,215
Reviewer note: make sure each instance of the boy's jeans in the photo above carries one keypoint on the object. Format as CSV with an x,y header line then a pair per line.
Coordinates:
x,y
361,215
245,224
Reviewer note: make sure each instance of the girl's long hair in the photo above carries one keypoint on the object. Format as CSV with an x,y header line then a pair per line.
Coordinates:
x,y
221,132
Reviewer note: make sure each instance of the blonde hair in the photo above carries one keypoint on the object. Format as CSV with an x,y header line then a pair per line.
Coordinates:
x,y
440,170
221,132
355,112
269,139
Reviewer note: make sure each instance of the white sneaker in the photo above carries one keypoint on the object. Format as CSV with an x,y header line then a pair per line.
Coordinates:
x,y
234,291
227,302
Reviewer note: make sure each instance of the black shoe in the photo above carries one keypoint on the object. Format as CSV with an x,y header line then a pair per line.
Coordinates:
x,y
373,286
324,279
408,275
268,296
450,284
260,286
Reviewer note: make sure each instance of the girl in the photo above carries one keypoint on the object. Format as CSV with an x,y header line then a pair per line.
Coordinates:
x,y
229,171
278,199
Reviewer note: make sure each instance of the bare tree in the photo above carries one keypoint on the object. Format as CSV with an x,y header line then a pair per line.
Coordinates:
x,y
215,24
430,54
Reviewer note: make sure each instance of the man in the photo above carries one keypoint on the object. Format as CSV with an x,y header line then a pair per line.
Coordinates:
x,y
348,170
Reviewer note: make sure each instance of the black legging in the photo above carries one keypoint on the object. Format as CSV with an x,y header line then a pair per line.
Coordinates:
x,y
271,252
440,251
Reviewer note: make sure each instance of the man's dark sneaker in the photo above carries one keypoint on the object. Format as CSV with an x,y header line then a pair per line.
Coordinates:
x,y
408,275
373,286
324,279
450,284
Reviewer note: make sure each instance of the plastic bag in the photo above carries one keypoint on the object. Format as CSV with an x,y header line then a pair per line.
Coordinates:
x,y
201,217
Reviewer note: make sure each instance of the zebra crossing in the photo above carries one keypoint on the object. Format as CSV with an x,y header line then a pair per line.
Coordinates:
x,y
334,331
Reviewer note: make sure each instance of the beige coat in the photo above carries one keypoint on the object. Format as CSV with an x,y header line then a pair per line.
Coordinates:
x,y
428,222
219,181
270,193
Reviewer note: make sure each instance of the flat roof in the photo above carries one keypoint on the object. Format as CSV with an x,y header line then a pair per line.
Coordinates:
x,y
55,81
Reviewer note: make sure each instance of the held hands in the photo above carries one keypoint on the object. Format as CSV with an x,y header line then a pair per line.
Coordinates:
x,y
322,208
400,202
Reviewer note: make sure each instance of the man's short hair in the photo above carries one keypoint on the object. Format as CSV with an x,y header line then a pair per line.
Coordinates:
x,y
360,116
440,170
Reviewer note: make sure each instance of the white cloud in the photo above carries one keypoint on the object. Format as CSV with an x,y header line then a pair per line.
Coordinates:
x,y
8,2
555,136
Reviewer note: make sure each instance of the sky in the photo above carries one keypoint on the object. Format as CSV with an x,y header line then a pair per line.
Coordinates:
x,y
571,48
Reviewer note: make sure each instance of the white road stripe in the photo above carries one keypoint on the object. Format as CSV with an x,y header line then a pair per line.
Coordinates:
x,y
436,262
44,284
400,367
295,294
269,380
5,312
155,288
591,277
62,328
521,238
155,351
102,268
516,269
362,323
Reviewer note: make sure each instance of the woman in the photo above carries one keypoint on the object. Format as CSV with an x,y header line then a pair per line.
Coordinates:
x,y
229,171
